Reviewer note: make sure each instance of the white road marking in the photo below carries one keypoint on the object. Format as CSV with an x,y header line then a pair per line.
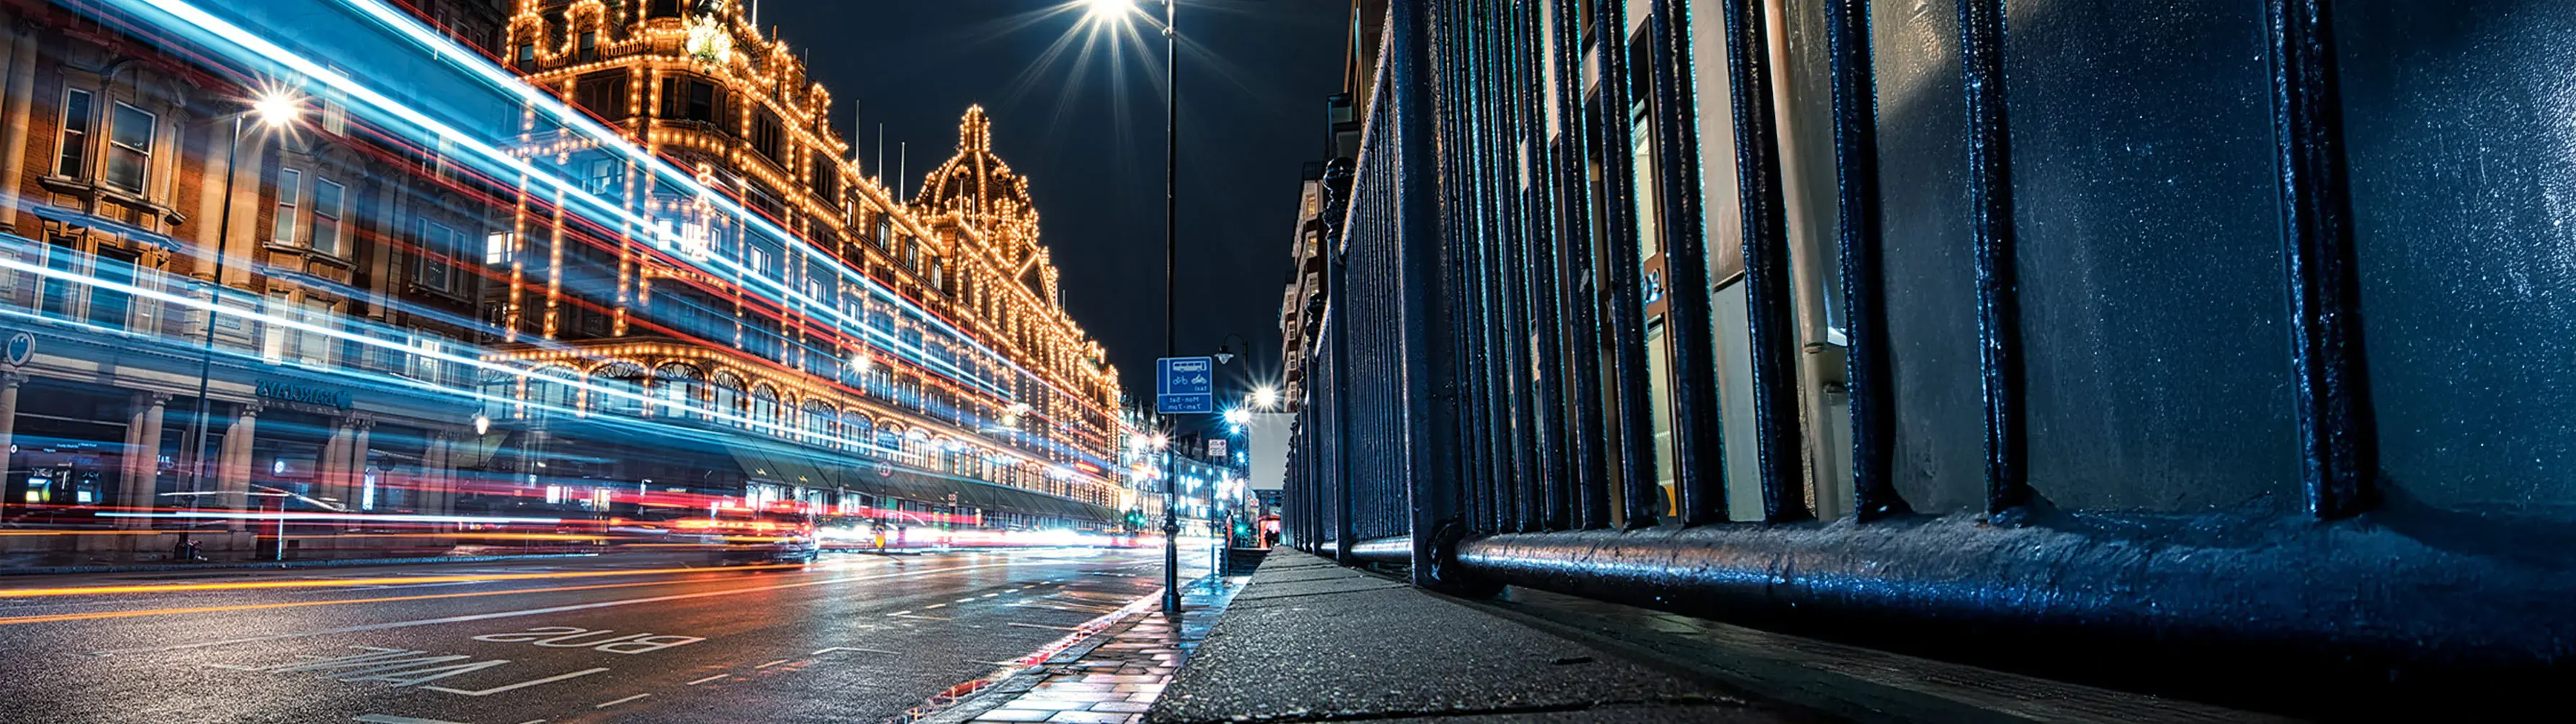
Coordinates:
x,y
927,618
705,680
605,705
390,719
988,595
1058,628
969,599
770,664
847,648
520,685
936,605
535,611
899,613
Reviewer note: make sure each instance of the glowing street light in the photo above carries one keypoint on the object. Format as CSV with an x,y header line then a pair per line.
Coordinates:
x,y
1110,9
1238,416
277,110
1266,397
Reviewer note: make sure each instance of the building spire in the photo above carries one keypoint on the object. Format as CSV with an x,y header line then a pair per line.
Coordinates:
x,y
976,132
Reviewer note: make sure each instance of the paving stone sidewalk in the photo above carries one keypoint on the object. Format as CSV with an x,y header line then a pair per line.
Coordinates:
x,y
1111,679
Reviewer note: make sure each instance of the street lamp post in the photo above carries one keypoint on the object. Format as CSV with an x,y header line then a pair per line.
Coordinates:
x,y
1104,10
275,110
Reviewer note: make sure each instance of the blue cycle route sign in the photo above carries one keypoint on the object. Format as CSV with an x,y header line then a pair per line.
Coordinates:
x,y
1184,386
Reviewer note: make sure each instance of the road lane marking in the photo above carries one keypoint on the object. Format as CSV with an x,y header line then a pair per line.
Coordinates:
x,y
549,609
899,613
860,650
927,618
1035,625
969,599
390,719
770,664
705,680
520,685
936,605
605,705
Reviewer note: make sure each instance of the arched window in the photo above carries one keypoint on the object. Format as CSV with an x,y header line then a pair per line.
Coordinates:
x,y
617,388
915,445
728,406
677,388
550,392
764,409
857,432
819,421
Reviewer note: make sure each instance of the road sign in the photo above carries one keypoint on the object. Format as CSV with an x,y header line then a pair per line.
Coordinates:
x,y
1184,386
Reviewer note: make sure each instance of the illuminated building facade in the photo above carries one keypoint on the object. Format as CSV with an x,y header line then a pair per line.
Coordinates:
x,y
410,328
925,332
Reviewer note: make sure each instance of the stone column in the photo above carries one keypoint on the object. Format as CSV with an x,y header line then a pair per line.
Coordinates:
x,y
330,469
9,382
20,90
142,458
232,463
434,474
359,429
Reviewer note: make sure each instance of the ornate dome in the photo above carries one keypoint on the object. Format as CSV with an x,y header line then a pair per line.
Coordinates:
x,y
978,185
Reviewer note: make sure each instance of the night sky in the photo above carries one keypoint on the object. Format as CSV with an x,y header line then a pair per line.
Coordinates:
x,y
1254,78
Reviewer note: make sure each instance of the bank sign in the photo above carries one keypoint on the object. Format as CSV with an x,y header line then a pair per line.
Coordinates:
x,y
299,394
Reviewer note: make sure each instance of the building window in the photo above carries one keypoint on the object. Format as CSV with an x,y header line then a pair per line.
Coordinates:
x,y
599,176
425,363
664,9
108,301
73,160
290,195
766,134
688,100
589,47
313,346
603,93
328,198
496,248
527,57
129,147
439,248
885,232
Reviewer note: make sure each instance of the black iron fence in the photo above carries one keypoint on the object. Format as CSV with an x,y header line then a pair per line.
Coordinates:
x,y
2004,334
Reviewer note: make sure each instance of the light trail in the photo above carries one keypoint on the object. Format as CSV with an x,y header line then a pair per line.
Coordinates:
x,y
376,581
95,615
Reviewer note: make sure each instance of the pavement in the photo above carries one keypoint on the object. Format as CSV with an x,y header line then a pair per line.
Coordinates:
x,y
619,638
1111,677
1308,640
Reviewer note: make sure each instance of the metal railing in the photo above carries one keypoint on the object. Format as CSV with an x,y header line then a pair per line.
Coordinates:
x,y
1954,443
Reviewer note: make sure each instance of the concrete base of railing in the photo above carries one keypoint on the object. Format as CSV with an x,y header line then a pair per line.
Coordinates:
x,y
2221,607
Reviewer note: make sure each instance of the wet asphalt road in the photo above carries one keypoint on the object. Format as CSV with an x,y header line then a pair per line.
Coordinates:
x,y
609,639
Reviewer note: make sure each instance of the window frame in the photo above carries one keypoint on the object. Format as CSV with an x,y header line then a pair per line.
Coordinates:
x,y
338,220
71,145
290,201
143,164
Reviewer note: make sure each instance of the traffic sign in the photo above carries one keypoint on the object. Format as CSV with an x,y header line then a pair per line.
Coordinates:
x,y
1184,386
